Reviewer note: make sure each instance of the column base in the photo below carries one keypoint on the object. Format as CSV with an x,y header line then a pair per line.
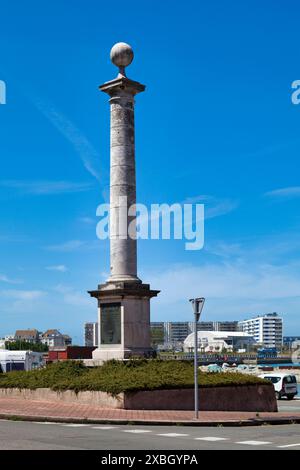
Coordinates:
x,y
113,279
124,321
102,355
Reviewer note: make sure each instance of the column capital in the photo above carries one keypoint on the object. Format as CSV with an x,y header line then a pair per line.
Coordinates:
x,y
122,84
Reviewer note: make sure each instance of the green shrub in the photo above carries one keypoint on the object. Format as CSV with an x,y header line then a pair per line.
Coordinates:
x,y
115,377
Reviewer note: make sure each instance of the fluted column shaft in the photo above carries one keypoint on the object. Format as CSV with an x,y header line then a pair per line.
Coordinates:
x,y
123,249
123,245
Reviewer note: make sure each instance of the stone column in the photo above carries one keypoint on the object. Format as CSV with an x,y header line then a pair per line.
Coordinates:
x,y
123,248
123,301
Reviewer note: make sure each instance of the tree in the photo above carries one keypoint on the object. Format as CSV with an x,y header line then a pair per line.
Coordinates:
x,y
21,345
157,336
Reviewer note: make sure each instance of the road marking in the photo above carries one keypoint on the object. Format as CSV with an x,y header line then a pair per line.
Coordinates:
x,y
289,408
288,445
138,431
172,434
254,443
104,428
44,422
75,425
211,439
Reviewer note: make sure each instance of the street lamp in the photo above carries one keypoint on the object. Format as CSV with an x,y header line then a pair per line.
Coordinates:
x,y
197,305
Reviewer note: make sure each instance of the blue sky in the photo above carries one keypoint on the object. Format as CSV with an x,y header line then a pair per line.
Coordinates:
x,y
215,124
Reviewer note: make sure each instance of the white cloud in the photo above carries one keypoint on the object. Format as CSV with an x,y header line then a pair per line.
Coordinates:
x,y
228,281
269,248
224,250
68,246
73,245
60,268
88,154
22,294
104,275
4,278
87,220
220,208
214,207
74,297
232,290
45,187
289,192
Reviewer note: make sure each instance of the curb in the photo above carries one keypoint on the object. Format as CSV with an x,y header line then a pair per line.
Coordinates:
x,y
228,423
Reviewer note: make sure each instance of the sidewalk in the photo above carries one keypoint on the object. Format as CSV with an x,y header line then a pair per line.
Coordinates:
x,y
31,410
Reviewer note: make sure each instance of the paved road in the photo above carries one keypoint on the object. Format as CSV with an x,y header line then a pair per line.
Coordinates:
x,y
27,435
289,406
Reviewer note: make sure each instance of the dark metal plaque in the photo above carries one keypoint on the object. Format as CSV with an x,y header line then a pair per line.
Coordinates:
x,y
110,323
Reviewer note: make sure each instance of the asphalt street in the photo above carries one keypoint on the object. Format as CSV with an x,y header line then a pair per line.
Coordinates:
x,y
21,435
289,406
18,435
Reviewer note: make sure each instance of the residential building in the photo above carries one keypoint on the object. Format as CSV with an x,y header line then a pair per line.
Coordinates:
x,y
91,334
201,326
218,341
226,326
67,340
9,338
31,336
292,342
265,329
176,332
53,338
215,326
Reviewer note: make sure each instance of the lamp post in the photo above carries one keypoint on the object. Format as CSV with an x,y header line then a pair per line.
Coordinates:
x,y
197,305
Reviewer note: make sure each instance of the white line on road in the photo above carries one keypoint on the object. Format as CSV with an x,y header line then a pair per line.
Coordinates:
x,y
172,434
211,439
45,422
104,428
254,443
75,425
138,431
288,445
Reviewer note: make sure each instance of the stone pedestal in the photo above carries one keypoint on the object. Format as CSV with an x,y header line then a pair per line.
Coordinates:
x,y
124,320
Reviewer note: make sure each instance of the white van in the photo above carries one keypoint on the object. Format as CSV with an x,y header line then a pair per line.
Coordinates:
x,y
20,360
285,384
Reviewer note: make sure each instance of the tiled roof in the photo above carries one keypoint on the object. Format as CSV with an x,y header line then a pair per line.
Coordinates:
x,y
27,333
51,333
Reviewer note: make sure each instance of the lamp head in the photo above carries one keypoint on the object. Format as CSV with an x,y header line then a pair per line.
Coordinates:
x,y
197,305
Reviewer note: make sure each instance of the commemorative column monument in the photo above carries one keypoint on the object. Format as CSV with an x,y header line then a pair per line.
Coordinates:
x,y
123,301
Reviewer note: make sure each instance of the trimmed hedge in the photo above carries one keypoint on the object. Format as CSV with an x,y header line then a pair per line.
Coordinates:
x,y
115,377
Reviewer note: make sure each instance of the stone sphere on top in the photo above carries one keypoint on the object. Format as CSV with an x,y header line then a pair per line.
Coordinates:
x,y
121,54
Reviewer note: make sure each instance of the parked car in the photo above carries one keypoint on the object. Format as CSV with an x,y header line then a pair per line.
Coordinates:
x,y
247,368
285,384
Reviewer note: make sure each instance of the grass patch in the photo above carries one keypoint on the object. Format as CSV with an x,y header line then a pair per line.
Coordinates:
x,y
115,377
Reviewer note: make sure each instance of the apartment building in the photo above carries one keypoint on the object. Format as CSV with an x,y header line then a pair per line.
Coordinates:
x,y
265,329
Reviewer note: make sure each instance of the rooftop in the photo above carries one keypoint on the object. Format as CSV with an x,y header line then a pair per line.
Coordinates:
x,y
28,332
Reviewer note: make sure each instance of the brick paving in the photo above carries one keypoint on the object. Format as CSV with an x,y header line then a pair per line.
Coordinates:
x,y
72,412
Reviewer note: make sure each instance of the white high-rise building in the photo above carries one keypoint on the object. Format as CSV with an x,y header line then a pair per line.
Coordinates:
x,y
266,329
